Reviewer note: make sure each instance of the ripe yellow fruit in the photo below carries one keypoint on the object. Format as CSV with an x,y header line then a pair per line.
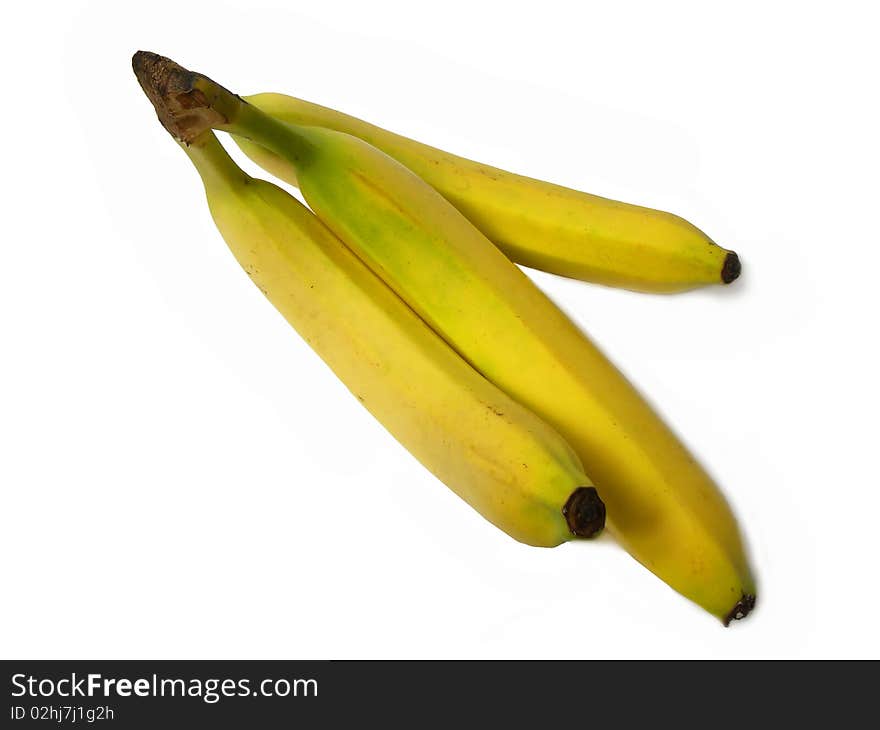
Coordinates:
x,y
535,223
496,455
662,506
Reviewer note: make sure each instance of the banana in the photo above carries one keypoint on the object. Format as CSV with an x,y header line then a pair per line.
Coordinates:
x,y
537,224
496,455
662,506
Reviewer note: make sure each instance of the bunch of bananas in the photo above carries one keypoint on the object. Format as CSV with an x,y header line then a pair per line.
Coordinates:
x,y
401,277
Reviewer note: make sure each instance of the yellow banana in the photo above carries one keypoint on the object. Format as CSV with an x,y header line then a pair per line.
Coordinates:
x,y
662,505
535,223
498,456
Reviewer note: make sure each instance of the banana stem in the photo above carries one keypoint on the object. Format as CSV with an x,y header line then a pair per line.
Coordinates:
x,y
281,138
189,103
214,165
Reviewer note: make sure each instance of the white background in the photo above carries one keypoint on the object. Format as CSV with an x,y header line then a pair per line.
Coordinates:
x,y
182,477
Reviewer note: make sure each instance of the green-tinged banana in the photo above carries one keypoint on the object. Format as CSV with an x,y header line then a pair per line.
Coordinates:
x,y
499,457
662,506
535,223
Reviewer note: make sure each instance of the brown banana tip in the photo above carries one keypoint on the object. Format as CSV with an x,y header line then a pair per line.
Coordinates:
x,y
584,512
742,609
732,268
181,107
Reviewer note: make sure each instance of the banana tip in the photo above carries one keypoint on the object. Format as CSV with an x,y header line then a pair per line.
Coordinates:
x,y
584,512
732,268
742,609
